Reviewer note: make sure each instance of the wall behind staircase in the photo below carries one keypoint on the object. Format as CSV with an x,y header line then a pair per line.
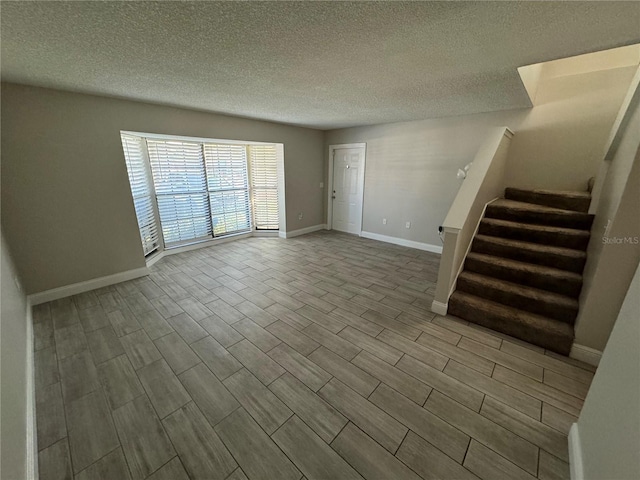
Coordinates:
x,y
411,167
609,424
614,249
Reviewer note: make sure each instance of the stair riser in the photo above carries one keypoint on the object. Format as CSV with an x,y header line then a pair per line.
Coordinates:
x,y
563,313
578,221
562,286
578,242
561,345
575,204
570,264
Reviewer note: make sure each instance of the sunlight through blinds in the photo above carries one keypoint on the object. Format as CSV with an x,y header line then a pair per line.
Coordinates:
x,y
181,190
228,188
141,190
264,186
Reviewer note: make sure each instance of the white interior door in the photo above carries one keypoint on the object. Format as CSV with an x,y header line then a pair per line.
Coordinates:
x,y
348,189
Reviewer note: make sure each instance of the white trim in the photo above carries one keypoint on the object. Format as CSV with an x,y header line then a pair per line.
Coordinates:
x,y
586,354
575,454
206,243
183,138
439,307
81,287
427,247
363,146
266,233
152,259
282,194
31,463
302,231
197,245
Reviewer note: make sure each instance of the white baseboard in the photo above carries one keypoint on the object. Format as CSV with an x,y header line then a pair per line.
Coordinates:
x,y
302,231
586,354
81,287
575,454
439,307
266,233
31,462
427,247
208,243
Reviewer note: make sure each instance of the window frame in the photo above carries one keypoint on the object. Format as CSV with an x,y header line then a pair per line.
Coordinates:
x,y
250,167
152,192
205,241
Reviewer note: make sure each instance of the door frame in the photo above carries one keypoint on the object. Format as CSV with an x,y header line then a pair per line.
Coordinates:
x,y
361,177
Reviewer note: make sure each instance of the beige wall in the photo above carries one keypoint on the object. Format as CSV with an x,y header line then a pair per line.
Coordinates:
x,y
411,167
484,182
560,141
410,172
14,321
610,266
609,424
66,205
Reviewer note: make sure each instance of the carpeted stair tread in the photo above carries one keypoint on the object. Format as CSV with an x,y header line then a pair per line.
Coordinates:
x,y
534,300
547,235
568,200
557,257
529,274
506,209
537,329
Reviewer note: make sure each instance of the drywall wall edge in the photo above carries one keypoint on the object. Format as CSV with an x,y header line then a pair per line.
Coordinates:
x,y
575,454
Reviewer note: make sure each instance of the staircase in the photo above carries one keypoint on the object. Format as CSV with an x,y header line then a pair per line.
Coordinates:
x,y
523,274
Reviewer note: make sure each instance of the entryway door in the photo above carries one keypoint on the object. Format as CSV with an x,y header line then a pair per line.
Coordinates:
x,y
346,191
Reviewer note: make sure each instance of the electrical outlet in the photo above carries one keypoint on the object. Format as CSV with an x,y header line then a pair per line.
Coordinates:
x,y
384,221
321,184
407,225
300,216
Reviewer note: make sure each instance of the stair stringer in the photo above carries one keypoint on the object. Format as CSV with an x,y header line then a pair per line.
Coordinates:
x,y
466,253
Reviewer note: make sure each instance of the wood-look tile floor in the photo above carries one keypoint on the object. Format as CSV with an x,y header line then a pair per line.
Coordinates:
x,y
312,357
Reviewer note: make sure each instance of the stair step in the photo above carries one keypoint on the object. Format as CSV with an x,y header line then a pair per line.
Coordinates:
x,y
557,257
506,209
534,300
554,236
537,276
576,201
537,329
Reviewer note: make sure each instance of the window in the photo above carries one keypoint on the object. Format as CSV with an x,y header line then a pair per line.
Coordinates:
x,y
264,184
181,191
142,192
200,190
228,187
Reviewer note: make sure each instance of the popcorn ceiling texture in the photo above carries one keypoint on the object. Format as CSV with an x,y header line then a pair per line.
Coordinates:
x,y
318,64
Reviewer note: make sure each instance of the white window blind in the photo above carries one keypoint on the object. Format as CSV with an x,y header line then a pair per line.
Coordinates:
x,y
141,190
190,191
228,187
264,186
181,190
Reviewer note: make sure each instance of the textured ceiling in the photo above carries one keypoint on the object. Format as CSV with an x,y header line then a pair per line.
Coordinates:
x,y
318,64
